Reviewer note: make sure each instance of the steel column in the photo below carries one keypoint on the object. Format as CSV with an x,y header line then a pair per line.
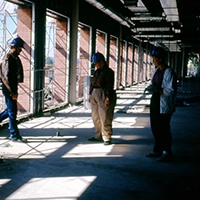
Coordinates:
x,y
107,47
126,64
73,51
132,64
183,63
119,56
39,58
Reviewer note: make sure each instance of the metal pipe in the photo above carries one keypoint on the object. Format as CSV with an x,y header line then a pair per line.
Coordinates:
x,y
32,59
132,64
183,63
119,52
107,47
145,71
126,64
198,74
93,49
73,52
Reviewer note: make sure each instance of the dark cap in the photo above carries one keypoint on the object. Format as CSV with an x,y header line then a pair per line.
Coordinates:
x,y
159,52
98,57
18,42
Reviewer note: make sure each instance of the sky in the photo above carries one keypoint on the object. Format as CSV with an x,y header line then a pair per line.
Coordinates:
x,y
10,23
11,26
4,5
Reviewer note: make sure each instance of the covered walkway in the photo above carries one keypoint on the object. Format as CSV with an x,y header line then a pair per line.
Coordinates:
x,y
60,163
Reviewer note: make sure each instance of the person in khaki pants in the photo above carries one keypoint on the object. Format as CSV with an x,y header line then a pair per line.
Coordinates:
x,y
103,100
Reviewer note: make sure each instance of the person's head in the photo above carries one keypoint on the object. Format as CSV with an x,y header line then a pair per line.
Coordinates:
x,y
158,55
98,60
17,45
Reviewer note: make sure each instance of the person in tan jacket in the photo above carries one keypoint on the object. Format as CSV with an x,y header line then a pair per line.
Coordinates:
x,y
103,99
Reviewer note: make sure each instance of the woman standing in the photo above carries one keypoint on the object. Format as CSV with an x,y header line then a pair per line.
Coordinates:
x,y
162,105
103,99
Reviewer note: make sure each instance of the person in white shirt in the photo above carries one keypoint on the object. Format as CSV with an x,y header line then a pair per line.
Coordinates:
x,y
162,105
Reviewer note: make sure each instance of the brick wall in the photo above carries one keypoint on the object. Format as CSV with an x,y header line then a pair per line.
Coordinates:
x,y
24,24
101,43
83,69
123,63
60,62
113,54
144,66
148,66
135,65
129,65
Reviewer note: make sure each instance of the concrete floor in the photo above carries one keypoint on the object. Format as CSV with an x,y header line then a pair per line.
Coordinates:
x,y
70,167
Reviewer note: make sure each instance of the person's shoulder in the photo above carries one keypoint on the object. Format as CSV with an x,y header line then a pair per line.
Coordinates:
x,y
6,58
9,56
157,68
171,71
110,70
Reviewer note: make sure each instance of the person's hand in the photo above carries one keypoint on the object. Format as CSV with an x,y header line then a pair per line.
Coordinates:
x,y
107,101
14,96
154,91
89,99
158,90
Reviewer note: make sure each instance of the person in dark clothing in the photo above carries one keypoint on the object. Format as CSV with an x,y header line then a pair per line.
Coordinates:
x,y
11,73
103,99
164,88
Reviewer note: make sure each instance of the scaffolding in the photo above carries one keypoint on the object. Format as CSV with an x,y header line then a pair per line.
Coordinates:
x,y
7,25
8,31
49,62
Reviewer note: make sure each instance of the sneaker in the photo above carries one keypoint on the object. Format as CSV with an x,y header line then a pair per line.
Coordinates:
x,y
153,154
93,139
19,139
166,157
107,143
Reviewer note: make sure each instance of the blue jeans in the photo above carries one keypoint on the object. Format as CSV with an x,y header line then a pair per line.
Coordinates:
x,y
11,112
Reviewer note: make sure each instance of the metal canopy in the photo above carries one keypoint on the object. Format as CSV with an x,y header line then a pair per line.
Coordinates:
x,y
158,21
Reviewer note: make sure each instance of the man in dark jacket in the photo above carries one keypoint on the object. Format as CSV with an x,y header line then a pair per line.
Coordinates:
x,y
11,74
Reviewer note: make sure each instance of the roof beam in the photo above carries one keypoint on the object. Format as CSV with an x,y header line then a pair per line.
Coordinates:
x,y
170,9
154,7
153,29
130,2
153,24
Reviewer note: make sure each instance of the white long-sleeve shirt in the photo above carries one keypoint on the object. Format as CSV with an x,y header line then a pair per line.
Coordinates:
x,y
169,86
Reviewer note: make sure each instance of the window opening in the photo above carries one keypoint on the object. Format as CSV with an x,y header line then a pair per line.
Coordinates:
x,y
56,59
101,39
12,24
83,56
192,77
49,60
113,56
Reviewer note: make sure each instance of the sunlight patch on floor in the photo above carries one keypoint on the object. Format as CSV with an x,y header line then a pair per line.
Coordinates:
x,y
53,188
124,122
4,181
36,148
90,150
62,123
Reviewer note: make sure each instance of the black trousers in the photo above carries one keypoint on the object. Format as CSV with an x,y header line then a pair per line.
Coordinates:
x,y
160,126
